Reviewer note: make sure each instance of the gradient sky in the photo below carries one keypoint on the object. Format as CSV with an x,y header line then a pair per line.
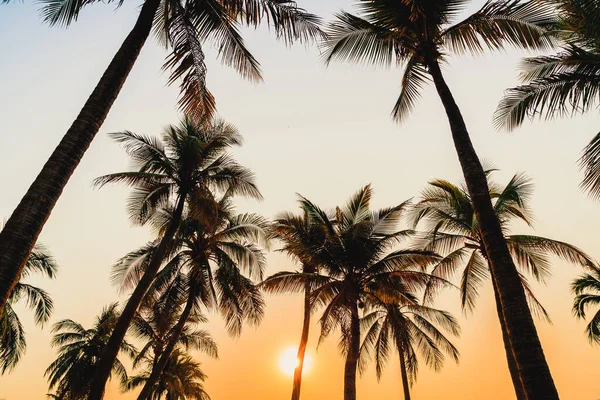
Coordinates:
x,y
322,132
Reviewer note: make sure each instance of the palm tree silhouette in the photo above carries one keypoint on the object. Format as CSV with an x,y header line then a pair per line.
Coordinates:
x,y
421,35
187,162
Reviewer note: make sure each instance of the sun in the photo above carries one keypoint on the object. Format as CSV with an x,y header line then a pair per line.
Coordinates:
x,y
288,361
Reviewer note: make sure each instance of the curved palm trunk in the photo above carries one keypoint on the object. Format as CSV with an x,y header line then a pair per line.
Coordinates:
x,y
159,367
27,220
302,346
524,341
352,357
112,347
405,383
510,357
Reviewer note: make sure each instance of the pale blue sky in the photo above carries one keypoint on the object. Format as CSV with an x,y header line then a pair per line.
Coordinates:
x,y
322,132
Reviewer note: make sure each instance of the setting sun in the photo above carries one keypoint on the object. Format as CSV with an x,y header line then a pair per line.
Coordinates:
x,y
288,361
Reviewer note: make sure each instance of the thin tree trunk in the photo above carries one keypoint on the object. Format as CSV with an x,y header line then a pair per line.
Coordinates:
x,y
27,220
510,357
159,367
352,357
405,383
302,346
112,347
524,341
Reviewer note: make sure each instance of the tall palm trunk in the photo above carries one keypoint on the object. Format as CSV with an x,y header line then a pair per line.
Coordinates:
x,y
510,357
524,341
112,347
405,383
159,367
353,353
302,346
27,220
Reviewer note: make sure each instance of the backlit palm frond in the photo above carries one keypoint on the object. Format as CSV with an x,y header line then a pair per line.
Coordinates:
x,y
587,291
37,300
65,12
186,62
475,273
240,300
571,59
356,40
12,339
357,209
561,94
40,261
590,163
290,22
414,80
541,247
503,22
213,21
535,306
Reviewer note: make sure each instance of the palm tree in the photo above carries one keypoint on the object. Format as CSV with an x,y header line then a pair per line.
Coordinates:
x,y
155,326
565,83
421,35
187,162
212,252
587,291
12,335
357,267
79,352
182,379
182,26
453,229
298,234
410,328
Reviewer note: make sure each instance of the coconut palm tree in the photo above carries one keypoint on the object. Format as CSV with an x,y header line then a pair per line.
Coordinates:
x,y
421,35
79,352
182,27
187,162
182,379
155,325
565,83
298,235
12,335
587,291
448,213
357,266
411,328
213,253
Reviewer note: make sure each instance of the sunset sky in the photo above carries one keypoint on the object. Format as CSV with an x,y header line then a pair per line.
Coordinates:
x,y
322,132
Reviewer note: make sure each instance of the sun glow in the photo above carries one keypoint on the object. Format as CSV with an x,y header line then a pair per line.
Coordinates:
x,y
288,361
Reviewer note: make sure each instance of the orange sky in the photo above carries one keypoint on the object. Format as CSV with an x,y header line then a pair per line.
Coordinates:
x,y
320,132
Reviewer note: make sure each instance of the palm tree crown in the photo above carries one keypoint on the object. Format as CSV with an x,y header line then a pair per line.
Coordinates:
x,y
182,379
184,26
155,324
79,350
587,291
12,335
411,328
417,33
448,214
565,83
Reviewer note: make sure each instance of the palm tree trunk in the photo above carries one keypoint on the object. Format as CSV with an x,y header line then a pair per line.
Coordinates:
x,y
303,344
405,383
510,357
524,341
158,368
352,357
111,350
27,220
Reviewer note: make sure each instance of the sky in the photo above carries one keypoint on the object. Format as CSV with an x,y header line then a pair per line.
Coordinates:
x,y
320,131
